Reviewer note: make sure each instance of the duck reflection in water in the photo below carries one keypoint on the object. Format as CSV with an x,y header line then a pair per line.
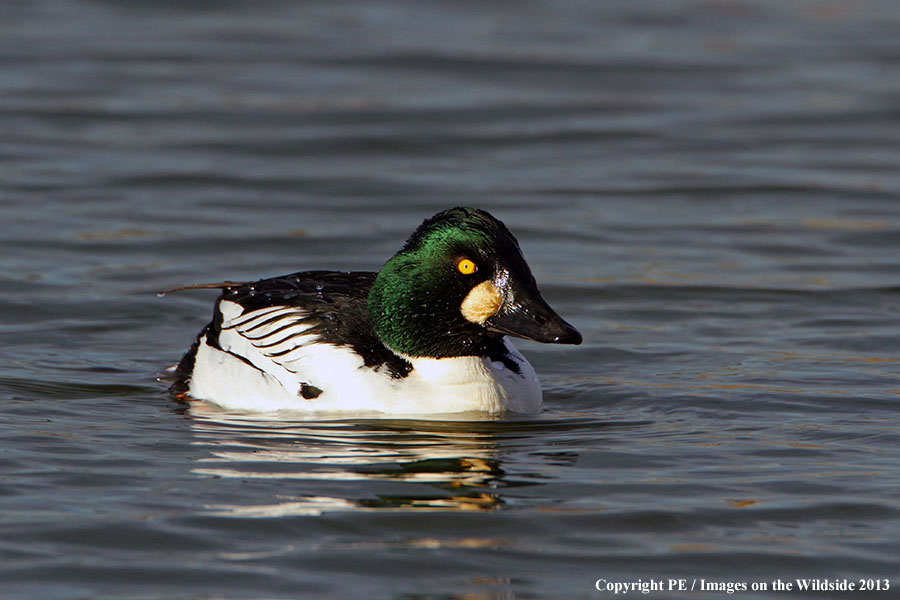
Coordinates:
x,y
354,465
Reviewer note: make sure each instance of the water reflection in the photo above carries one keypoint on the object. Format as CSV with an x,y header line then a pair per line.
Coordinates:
x,y
417,465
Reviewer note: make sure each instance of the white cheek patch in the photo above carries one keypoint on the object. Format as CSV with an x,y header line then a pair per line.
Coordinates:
x,y
482,302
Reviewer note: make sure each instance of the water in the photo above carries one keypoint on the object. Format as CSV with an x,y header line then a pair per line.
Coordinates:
x,y
707,190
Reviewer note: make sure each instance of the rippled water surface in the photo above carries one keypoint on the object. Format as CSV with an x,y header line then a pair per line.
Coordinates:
x,y
707,190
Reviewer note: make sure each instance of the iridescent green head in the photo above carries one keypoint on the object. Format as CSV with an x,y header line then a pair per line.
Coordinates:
x,y
456,287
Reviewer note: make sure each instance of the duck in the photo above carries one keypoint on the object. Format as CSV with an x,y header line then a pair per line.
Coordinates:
x,y
427,334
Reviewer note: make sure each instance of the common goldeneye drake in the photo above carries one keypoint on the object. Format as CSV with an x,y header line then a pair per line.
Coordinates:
x,y
424,335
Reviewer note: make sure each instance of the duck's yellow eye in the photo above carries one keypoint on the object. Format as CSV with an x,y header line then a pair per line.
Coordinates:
x,y
466,266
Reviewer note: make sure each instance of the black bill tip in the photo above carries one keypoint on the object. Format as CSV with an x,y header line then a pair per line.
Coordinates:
x,y
569,335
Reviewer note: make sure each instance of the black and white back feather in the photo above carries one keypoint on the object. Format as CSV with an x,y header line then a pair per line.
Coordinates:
x,y
278,317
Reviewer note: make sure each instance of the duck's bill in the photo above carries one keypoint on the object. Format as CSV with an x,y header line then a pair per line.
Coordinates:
x,y
534,321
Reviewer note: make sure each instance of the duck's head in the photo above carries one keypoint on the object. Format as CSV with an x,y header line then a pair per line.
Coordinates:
x,y
457,286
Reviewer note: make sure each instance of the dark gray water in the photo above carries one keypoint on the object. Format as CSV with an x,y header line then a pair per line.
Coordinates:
x,y
707,190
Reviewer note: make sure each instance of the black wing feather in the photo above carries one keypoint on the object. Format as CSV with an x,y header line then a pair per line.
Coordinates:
x,y
335,307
